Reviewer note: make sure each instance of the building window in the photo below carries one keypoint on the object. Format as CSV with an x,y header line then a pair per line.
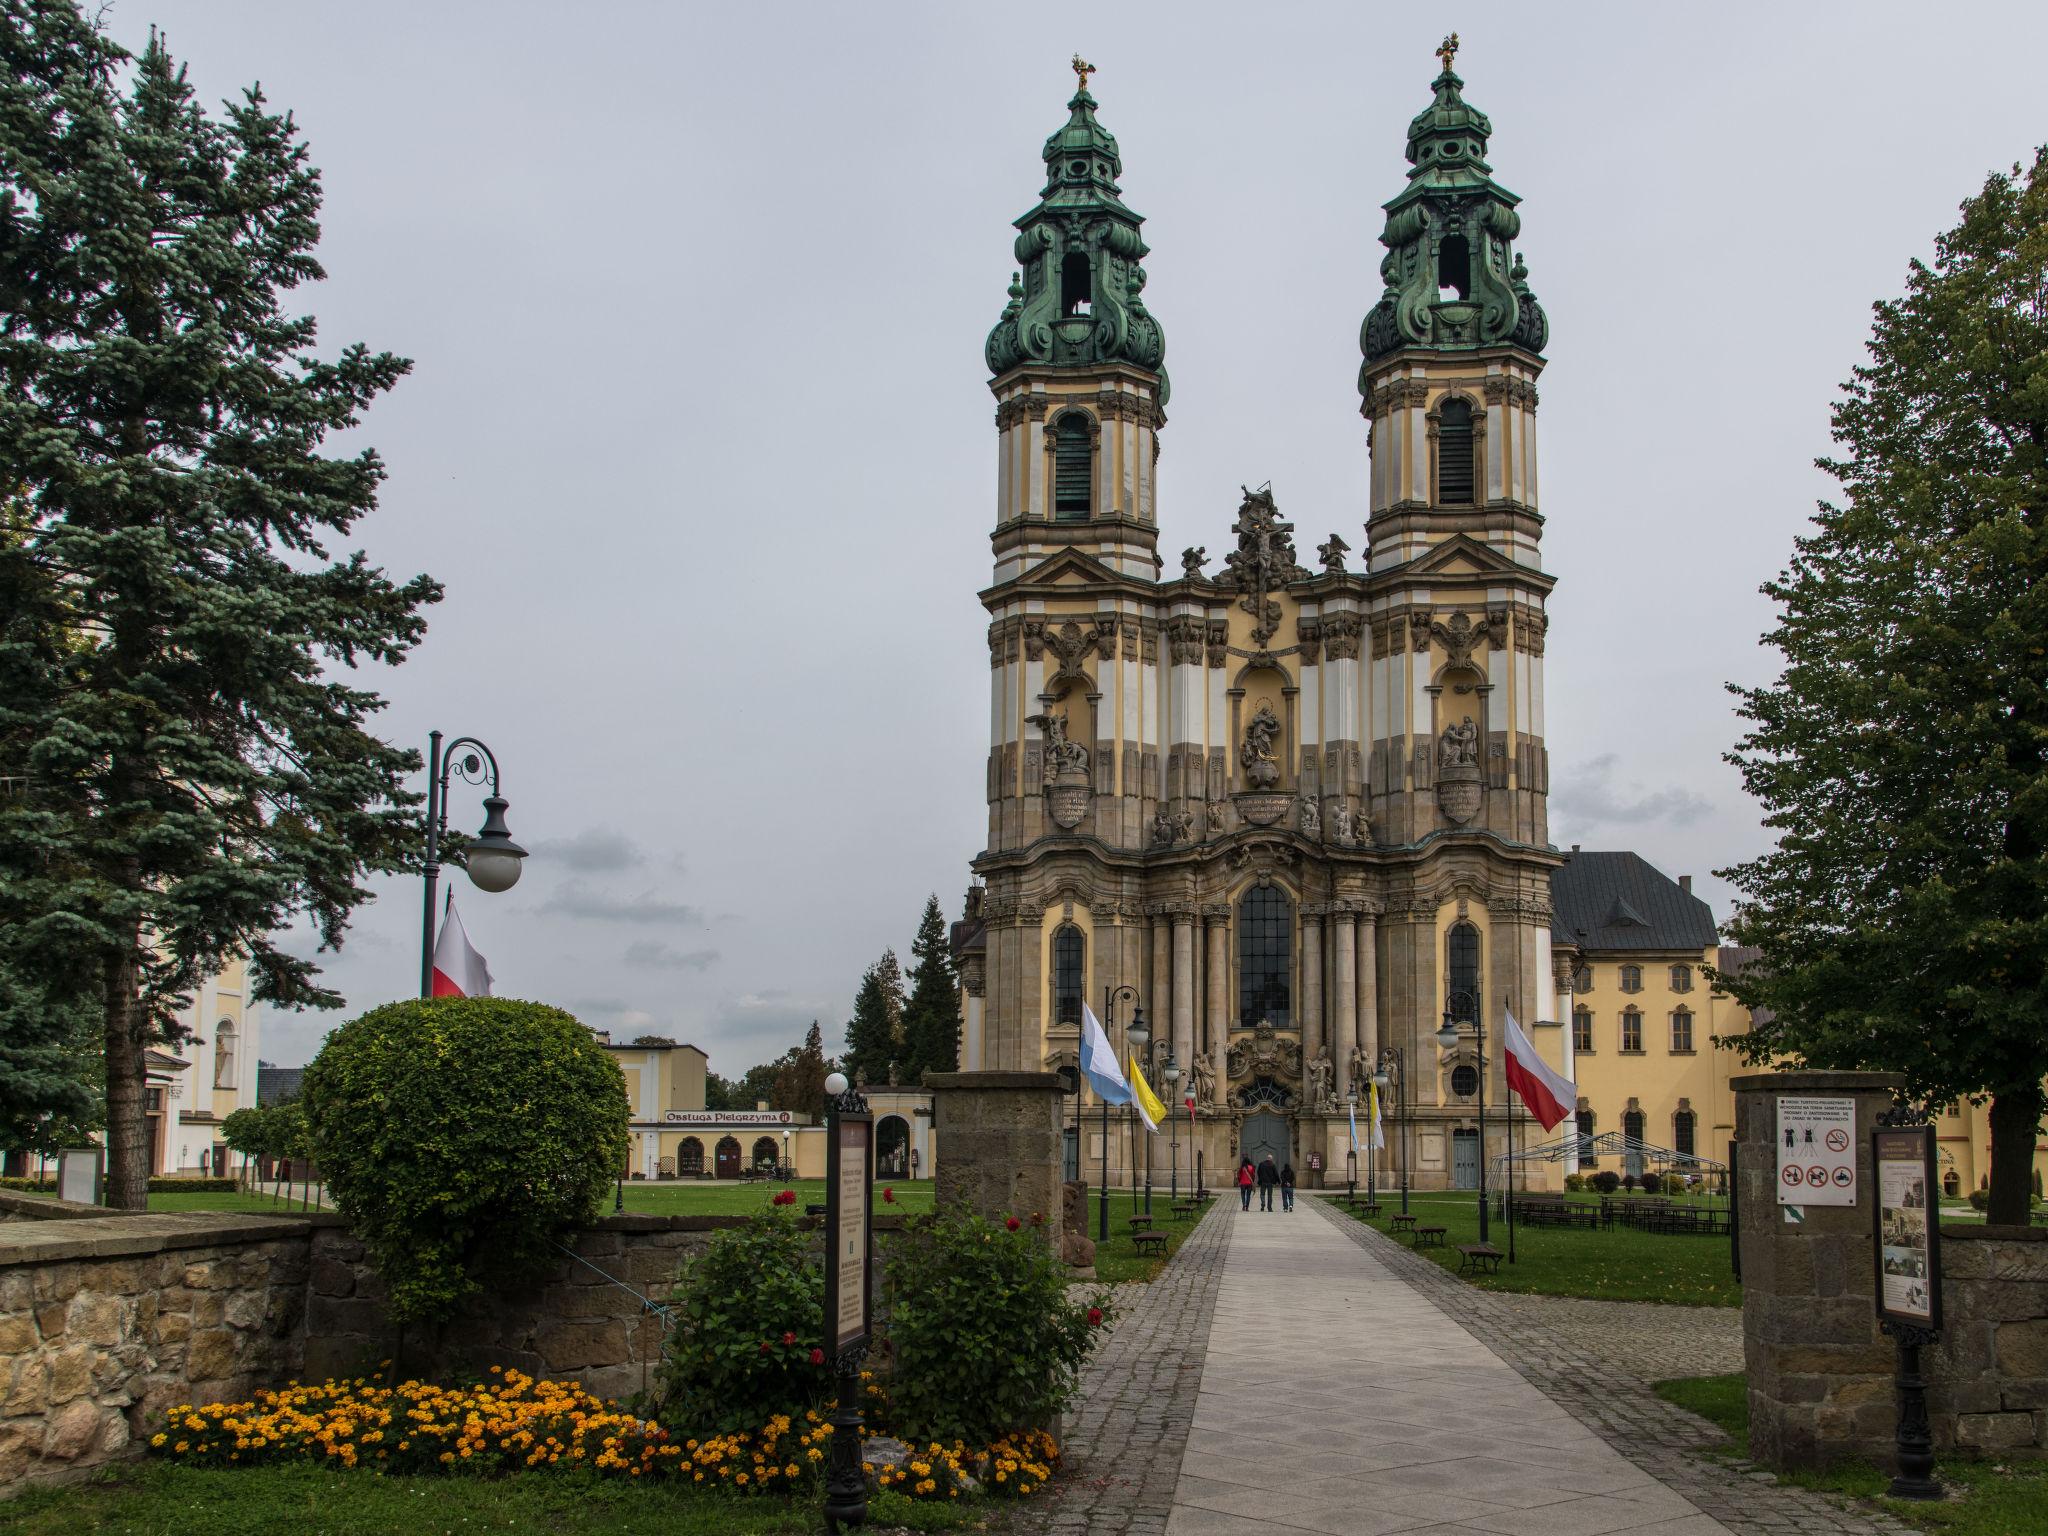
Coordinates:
x,y
1582,979
1461,973
1076,288
1454,476
690,1158
1631,978
1073,468
1681,978
1582,1029
1588,1158
1632,1125
1069,975
224,1054
1632,1031
1265,958
1681,1031
1681,1133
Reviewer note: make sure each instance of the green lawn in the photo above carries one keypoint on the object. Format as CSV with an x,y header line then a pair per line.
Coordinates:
x,y
156,1499
266,1203
729,1197
1118,1261
1988,1499
1617,1264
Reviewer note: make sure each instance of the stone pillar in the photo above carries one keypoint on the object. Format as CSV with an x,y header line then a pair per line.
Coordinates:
x,y
1820,1374
1001,1135
1344,984
1184,987
1217,922
1312,1036
1368,989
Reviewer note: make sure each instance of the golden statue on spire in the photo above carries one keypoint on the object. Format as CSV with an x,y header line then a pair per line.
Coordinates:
x,y
1082,70
1447,51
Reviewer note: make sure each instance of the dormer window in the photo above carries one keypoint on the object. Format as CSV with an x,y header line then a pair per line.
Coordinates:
x,y
1076,284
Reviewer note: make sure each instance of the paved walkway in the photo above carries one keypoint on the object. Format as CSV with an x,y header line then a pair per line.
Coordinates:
x,y
1336,1397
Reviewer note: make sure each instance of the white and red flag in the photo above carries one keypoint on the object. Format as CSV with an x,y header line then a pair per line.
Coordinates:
x,y
1548,1095
459,971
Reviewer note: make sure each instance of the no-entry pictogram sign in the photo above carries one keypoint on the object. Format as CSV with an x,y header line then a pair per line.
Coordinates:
x,y
1815,1165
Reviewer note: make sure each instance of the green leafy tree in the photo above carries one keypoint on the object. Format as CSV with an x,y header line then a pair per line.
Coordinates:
x,y
179,648
719,1093
874,1035
931,1018
755,1086
1903,915
799,1082
460,1135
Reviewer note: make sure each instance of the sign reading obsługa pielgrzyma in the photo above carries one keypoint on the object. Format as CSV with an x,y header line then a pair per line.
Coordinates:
x,y
728,1117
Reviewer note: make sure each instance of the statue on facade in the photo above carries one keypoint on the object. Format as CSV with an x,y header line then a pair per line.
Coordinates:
x,y
1219,817
1341,827
894,1069
1458,747
1311,817
1165,826
1184,825
1261,766
1204,1081
860,1079
1332,555
1321,1074
1191,560
1360,1070
1062,753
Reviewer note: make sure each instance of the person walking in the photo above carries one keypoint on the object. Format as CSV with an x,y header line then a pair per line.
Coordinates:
x,y
1244,1184
1268,1177
1287,1186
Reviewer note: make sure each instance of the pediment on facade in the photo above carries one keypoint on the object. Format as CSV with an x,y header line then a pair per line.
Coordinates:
x,y
1463,555
1071,568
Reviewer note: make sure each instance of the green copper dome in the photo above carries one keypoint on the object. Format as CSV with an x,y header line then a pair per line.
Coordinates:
x,y
1453,278
1076,299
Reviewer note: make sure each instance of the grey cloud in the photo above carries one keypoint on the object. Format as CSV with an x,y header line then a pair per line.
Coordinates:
x,y
596,851
655,953
1588,797
575,898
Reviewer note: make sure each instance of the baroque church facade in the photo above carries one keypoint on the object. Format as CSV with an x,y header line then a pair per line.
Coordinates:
x,y
1290,803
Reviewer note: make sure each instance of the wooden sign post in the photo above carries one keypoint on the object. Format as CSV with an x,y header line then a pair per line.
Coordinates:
x,y
849,1227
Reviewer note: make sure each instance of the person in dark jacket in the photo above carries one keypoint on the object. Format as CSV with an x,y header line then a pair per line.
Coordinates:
x,y
1269,1176
1245,1179
1287,1186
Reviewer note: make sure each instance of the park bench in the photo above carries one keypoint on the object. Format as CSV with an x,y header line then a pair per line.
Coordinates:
x,y
1480,1258
1401,1224
1149,1241
1186,1208
1429,1237
1139,1221
1371,1208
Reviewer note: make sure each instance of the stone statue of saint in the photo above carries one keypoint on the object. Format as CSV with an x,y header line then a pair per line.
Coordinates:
x,y
1163,829
1321,1073
1261,770
860,1079
1360,1069
1204,1081
1341,830
1191,560
1061,751
1311,817
894,1069
1459,745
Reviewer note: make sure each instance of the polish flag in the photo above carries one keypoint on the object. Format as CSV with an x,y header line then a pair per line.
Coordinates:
x,y
459,971
1548,1096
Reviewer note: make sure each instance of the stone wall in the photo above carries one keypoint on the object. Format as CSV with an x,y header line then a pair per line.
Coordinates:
x,y
1987,1378
1001,1132
106,1321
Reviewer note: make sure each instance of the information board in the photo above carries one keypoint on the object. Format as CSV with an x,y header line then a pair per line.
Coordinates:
x,y
1908,1233
1816,1151
849,1191
78,1175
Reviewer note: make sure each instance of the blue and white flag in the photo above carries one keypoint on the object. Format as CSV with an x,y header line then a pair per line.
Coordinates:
x,y
1098,1061
1354,1124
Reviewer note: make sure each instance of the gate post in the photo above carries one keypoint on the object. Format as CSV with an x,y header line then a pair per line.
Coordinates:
x,y
999,1137
1820,1375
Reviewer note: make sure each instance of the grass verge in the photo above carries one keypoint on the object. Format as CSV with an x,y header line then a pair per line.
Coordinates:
x,y
155,1499
1615,1264
1986,1498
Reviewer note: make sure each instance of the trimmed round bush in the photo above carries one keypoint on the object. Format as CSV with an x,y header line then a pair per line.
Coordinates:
x,y
1607,1181
459,1136
1651,1183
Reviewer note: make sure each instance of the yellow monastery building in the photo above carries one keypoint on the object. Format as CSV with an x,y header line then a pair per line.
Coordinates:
x,y
193,1087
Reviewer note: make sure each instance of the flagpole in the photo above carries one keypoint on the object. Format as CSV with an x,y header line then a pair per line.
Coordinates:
x,y
1510,1196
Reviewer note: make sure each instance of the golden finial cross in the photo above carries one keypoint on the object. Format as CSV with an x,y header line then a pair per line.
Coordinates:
x,y
1082,70
1448,51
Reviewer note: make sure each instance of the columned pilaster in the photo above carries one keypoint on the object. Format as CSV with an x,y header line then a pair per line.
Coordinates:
x,y
1312,1034
1368,989
1184,985
1216,920
1344,983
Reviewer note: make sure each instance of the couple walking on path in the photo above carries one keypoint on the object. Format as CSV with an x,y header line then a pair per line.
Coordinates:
x,y
1265,1176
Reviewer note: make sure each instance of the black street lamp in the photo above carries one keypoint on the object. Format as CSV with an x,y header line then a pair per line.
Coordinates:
x,y
1138,1048
1172,1075
492,859
1110,996
1447,1037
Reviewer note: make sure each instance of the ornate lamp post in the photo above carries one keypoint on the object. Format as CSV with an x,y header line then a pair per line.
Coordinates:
x,y
492,858
1139,1043
1447,1037
1351,1152
1393,1056
1172,1076
1110,996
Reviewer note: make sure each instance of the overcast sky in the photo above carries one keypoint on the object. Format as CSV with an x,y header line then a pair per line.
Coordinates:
x,y
699,438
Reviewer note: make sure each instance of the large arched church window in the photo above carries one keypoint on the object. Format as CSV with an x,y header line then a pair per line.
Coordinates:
x,y
1073,467
1069,974
1461,973
1454,477
1265,958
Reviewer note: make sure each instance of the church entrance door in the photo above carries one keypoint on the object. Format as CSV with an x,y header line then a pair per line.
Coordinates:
x,y
1265,1133
1464,1159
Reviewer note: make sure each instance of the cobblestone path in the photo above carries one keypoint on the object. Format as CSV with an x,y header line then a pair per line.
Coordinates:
x,y
1595,1360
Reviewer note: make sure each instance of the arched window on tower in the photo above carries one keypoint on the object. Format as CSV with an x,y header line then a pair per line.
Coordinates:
x,y
1453,269
1265,958
1069,975
1461,973
1077,290
1454,477
1073,467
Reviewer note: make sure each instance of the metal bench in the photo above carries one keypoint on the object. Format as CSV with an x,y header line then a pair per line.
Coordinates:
x,y
1429,1237
1480,1258
1149,1241
1402,1223
1186,1208
1371,1208
1139,1221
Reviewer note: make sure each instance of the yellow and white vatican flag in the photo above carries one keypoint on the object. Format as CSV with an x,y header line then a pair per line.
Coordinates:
x,y
1150,1110
1378,1134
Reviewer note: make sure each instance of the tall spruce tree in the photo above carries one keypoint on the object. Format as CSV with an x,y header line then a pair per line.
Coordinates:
x,y
180,649
1903,915
799,1083
931,1018
874,1035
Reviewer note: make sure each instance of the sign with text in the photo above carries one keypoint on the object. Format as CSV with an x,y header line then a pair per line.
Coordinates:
x,y
1816,1151
849,1207
728,1117
1908,1232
